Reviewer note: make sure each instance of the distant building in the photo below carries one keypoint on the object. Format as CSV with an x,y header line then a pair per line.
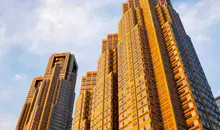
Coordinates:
x,y
218,101
49,103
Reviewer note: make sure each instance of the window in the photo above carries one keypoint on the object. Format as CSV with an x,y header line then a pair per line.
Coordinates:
x,y
146,127
143,119
139,81
143,110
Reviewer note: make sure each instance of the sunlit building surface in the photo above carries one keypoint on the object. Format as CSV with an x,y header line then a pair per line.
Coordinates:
x,y
49,103
163,71
149,76
105,99
159,56
82,114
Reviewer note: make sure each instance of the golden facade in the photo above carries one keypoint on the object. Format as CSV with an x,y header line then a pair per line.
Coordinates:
x,y
139,106
82,115
150,78
49,103
105,102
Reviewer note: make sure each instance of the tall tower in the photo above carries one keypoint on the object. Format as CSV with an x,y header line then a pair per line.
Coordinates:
x,y
153,74
49,103
139,106
105,98
186,100
82,114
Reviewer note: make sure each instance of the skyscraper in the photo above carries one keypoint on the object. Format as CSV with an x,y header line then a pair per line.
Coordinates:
x,y
155,33
49,103
139,106
82,114
159,79
97,104
105,99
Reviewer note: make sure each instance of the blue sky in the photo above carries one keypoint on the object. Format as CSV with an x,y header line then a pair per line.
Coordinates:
x,y
31,30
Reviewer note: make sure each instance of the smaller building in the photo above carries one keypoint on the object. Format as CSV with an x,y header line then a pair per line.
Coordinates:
x,y
218,101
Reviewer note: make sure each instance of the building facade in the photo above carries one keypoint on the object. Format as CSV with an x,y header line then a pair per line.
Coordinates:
x,y
160,56
152,75
218,102
105,99
82,114
49,103
196,98
139,106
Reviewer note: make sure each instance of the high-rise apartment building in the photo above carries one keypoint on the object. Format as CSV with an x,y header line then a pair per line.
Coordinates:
x,y
82,114
97,104
218,102
139,106
153,74
105,99
196,98
49,103
163,71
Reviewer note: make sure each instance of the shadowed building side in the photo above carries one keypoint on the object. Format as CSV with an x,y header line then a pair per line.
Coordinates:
x,y
49,103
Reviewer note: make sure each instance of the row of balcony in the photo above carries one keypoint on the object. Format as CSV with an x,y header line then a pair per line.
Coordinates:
x,y
188,105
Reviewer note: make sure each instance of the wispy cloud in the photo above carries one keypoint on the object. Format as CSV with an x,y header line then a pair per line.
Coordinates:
x,y
56,25
19,76
200,18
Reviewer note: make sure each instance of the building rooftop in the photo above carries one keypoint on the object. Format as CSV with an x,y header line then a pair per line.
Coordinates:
x,y
217,99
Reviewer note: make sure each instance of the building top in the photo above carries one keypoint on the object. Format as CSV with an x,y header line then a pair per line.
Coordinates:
x,y
61,54
91,72
168,2
66,60
88,81
54,90
217,99
110,42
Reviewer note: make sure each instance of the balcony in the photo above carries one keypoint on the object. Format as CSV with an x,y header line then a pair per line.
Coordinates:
x,y
186,99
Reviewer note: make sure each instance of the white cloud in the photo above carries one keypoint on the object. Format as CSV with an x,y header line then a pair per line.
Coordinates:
x,y
7,124
60,22
57,25
19,76
198,18
2,35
